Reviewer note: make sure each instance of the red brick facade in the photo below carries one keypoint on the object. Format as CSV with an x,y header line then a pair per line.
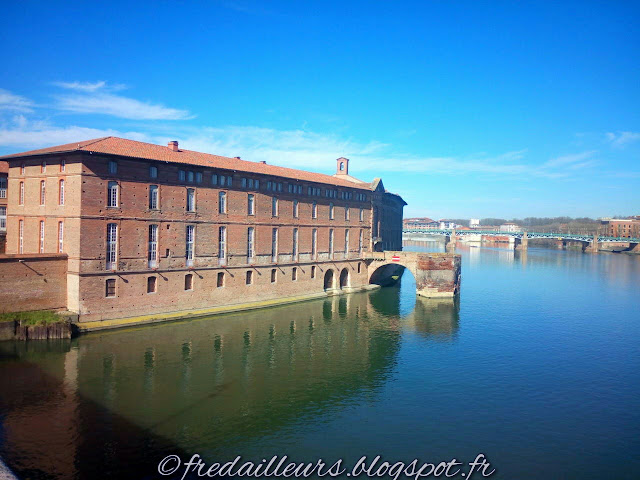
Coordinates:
x,y
41,219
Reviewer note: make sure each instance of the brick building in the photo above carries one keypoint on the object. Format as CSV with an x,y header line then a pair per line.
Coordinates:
x,y
4,171
621,227
152,229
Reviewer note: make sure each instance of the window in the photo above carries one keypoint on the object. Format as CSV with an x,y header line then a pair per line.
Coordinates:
x,y
251,204
3,218
188,281
331,211
274,206
243,182
222,180
222,202
359,267
43,192
249,277
60,237
61,192
41,236
274,245
314,210
21,236
112,242
3,187
191,200
113,167
314,243
152,284
22,169
313,271
63,165
361,214
153,171
190,176
198,177
153,197
110,287
331,243
294,274
21,194
190,237
273,275
214,179
346,243
342,166
361,242
346,213
153,246
295,209
112,194
182,175
220,282
295,244
43,167
251,239
222,245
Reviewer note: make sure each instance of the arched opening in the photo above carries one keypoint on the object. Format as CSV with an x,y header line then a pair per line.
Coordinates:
x,y
344,278
328,279
400,298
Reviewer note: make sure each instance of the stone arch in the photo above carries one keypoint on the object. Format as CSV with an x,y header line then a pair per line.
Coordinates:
x,y
344,278
387,274
329,279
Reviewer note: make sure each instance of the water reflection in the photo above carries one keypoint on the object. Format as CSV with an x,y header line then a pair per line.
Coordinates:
x,y
209,385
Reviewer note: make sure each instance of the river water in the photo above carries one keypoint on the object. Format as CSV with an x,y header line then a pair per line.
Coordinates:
x,y
536,366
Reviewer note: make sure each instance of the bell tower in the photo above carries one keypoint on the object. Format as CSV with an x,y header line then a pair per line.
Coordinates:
x,y
342,166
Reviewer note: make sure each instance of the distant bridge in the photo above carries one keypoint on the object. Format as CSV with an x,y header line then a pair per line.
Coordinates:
x,y
520,235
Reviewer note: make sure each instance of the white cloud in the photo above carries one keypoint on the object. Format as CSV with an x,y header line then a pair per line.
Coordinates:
x,y
622,139
566,160
17,103
23,134
89,86
118,106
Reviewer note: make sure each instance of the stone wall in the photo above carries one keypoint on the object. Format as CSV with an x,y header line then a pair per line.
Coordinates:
x,y
33,282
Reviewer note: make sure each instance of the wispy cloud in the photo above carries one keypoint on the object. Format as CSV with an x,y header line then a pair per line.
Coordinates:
x,y
13,102
118,106
89,86
570,160
20,133
622,139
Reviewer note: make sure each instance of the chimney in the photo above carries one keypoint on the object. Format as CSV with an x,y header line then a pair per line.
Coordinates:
x,y
173,145
342,166
263,162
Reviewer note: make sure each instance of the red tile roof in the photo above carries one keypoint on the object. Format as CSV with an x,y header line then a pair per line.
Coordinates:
x,y
148,151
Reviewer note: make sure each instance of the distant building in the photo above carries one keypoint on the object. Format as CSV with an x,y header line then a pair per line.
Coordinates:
x,y
621,227
420,223
510,227
447,224
474,223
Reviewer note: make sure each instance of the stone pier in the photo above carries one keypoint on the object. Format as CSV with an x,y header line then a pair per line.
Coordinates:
x,y
522,243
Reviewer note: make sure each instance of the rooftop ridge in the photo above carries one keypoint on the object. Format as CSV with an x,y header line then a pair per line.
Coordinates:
x,y
111,145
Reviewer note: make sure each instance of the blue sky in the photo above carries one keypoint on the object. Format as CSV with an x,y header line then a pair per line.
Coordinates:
x,y
466,109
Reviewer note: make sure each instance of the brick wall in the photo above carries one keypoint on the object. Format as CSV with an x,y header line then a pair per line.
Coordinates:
x,y
33,282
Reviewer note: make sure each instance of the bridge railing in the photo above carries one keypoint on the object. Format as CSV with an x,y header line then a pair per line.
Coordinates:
x,y
567,236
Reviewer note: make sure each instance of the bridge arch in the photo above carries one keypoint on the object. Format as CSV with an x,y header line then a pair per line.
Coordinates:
x,y
437,275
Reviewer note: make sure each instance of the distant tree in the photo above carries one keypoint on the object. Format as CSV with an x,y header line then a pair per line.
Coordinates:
x,y
492,221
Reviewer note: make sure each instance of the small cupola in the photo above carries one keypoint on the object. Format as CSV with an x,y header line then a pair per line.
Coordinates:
x,y
342,166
